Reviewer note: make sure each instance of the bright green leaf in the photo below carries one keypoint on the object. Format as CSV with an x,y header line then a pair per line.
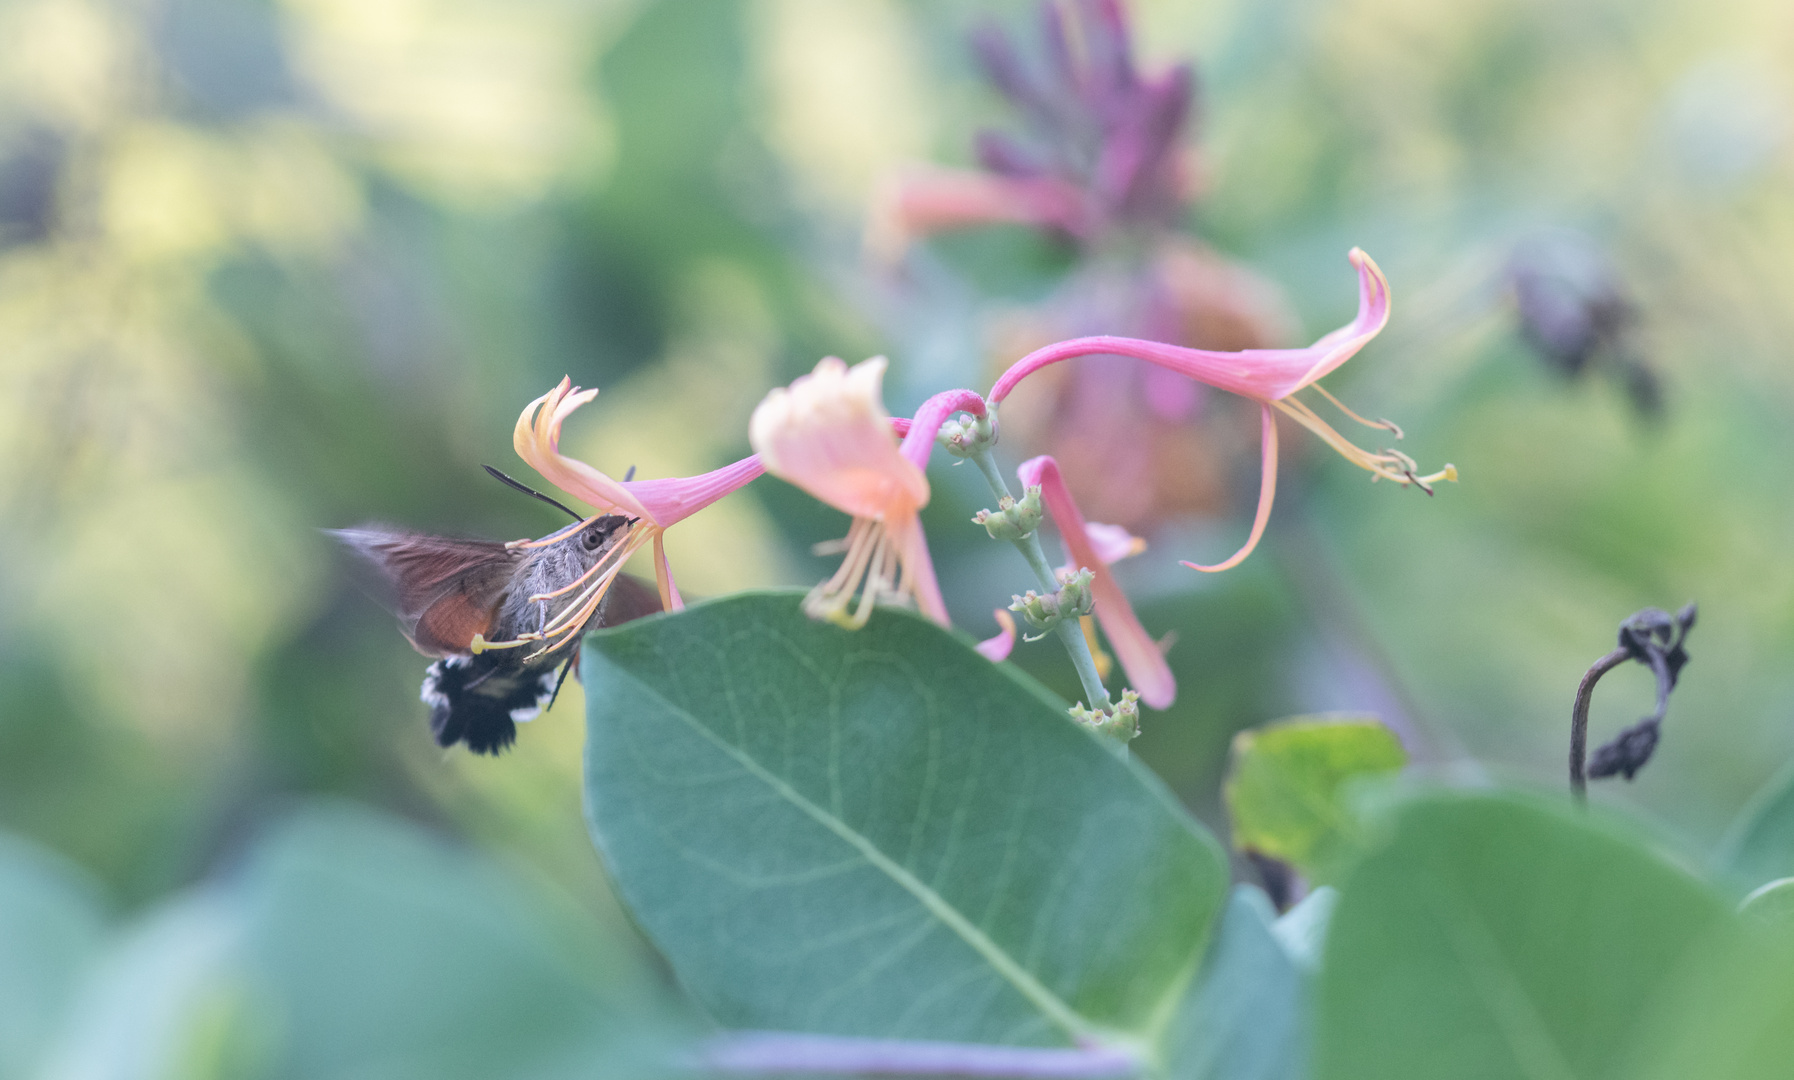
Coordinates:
x,y
1498,936
1286,789
1247,1017
881,833
1761,845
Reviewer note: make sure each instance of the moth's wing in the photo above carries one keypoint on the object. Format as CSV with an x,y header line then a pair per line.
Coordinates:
x,y
443,590
629,598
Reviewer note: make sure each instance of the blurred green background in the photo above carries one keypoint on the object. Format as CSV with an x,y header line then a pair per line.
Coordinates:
x,y
267,268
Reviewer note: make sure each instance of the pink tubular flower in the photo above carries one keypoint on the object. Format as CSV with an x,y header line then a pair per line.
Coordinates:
x,y
656,504
829,434
1139,654
1270,377
998,646
924,201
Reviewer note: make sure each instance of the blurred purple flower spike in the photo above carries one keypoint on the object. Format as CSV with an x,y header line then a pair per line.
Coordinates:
x,y
1095,122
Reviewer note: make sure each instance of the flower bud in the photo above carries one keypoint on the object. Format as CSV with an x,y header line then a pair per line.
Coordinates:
x,y
1121,723
967,436
1040,612
1075,599
1012,520
1072,600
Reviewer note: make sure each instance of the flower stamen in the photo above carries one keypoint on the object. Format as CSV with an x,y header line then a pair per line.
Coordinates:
x,y
1386,425
1391,465
872,570
593,586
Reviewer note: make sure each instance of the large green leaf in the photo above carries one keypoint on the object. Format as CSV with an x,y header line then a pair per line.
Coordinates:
x,y
387,953
1499,936
351,945
1287,788
881,833
1247,1019
163,1000
50,928
1761,845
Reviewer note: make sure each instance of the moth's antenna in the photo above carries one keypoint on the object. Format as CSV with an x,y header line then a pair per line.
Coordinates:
x,y
558,683
630,475
532,492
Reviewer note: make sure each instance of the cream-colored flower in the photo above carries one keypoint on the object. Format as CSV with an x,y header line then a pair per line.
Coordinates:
x,y
829,434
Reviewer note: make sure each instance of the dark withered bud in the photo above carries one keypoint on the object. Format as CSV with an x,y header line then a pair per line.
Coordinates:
x,y
1627,752
1654,632
1655,638
1578,316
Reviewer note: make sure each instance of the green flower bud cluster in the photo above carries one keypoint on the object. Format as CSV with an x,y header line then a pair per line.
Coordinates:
x,y
1071,601
966,435
1012,520
1121,723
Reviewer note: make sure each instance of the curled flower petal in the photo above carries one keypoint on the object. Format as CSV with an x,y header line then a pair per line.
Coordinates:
x,y
1139,654
998,648
918,568
670,600
829,434
1112,543
538,441
1267,491
662,502
1262,374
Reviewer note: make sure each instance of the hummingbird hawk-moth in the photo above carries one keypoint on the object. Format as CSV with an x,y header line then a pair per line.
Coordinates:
x,y
501,618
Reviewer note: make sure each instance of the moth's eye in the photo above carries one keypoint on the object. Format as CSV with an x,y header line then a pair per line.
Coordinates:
x,y
594,538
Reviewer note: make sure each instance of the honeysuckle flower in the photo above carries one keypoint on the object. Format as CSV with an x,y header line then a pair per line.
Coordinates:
x,y
1181,448
829,434
1139,654
657,505
1112,543
1100,150
1270,377
1101,147
999,646
923,201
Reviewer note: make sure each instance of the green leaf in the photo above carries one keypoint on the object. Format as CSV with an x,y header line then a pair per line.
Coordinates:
x,y
388,953
881,833
1772,904
1760,847
353,945
51,926
1729,1014
1497,936
155,994
1247,1017
1286,789
1303,928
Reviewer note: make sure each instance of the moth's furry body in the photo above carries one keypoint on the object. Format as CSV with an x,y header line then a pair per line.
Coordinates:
x,y
449,592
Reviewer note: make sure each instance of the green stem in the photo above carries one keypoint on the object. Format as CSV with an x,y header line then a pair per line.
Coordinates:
x,y
1070,632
